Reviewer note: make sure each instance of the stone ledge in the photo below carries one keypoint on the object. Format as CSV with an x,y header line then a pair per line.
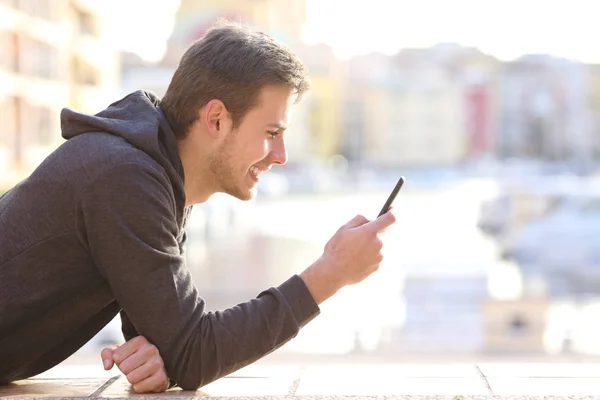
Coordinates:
x,y
389,381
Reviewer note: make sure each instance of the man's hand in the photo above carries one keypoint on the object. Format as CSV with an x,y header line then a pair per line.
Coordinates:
x,y
140,362
350,256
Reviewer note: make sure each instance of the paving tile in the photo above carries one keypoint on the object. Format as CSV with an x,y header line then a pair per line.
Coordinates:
x,y
338,383
539,370
267,371
78,372
51,388
395,370
392,379
545,386
228,386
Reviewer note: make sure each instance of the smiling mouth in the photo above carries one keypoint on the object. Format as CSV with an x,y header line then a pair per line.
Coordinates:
x,y
257,172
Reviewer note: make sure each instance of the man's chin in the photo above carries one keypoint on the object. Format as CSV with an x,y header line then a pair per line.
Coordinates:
x,y
247,196
244,195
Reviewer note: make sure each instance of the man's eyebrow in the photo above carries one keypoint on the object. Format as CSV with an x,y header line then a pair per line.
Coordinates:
x,y
278,126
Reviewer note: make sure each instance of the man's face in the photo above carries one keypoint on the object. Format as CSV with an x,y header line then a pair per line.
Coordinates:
x,y
251,149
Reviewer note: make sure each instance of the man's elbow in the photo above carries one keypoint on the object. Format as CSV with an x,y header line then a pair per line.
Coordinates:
x,y
190,385
192,381
188,382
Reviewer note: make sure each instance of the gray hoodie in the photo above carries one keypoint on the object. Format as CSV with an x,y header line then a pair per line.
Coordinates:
x,y
99,228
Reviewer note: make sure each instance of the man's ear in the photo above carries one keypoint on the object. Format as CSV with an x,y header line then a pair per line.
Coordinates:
x,y
212,116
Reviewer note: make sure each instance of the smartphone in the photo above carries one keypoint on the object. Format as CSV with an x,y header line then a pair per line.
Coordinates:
x,y
392,197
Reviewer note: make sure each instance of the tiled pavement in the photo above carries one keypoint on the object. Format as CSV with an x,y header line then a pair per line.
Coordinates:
x,y
389,381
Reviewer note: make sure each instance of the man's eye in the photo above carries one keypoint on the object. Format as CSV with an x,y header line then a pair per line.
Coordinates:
x,y
273,134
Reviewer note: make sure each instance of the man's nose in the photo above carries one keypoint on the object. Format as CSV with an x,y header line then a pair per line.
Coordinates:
x,y
278,153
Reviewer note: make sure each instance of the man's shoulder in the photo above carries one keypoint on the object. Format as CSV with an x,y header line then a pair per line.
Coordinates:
x,y
103,145
98,158
97,153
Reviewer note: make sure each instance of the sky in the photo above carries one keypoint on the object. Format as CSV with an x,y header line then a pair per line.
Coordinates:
x,y
503,28
139,26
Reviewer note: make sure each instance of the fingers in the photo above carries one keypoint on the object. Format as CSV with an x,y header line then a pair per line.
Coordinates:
x,y
127,349
381,223
107,357
151,369
142,364
355,222
156,383
143,355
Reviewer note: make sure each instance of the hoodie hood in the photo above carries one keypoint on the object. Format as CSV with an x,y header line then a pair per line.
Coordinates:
x,y
137,119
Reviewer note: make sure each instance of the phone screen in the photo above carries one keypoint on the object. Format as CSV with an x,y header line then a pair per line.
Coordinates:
x,y
392,197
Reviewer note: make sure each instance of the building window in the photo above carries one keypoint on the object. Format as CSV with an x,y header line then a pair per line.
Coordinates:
x,y
42,58
83,72
46,60
86,23
9,59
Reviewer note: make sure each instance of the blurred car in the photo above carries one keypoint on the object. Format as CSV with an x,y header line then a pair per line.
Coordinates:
x,y
518,203
567,238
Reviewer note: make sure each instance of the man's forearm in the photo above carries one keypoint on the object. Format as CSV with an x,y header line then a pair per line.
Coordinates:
x,y
225,341
320,286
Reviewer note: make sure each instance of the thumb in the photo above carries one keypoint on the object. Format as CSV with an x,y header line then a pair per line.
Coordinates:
x,y
382,222
355,222
107,357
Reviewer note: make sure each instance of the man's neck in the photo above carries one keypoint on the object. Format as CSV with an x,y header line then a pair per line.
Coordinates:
x,y
199,182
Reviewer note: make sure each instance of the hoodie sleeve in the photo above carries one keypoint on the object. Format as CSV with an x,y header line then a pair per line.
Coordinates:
x,y
127,327
129,224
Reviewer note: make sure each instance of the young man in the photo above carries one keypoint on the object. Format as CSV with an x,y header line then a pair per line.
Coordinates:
x,y
99,227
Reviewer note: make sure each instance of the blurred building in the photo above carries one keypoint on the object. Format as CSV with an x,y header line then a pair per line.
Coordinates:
x,y
421,107
315,131
281,19
593,78
478,73
54,55
430,117
545,110
365,109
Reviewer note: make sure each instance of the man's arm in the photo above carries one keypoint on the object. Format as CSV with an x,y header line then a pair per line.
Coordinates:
x,y
130,225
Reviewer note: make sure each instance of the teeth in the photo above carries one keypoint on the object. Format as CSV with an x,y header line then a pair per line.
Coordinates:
x,y
255,171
